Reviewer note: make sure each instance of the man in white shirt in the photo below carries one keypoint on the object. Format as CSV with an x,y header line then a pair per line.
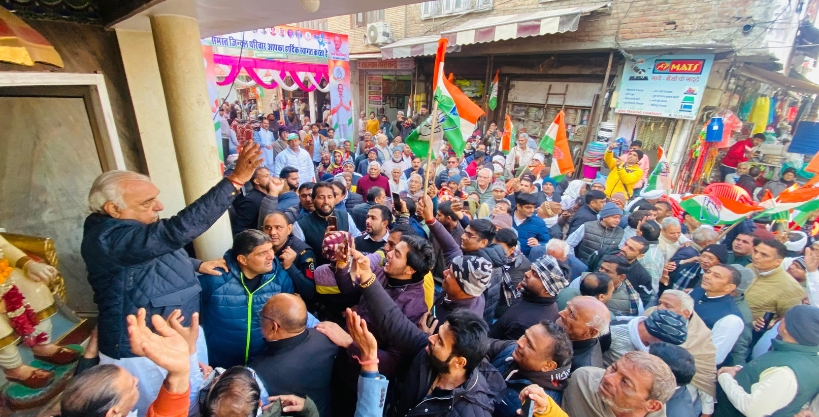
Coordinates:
x,y
297,157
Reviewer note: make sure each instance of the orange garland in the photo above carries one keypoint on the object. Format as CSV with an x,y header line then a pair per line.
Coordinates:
x,y
5,271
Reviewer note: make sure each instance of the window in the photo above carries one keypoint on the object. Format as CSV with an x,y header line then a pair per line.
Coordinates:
x,y
359,20
438,8
318,24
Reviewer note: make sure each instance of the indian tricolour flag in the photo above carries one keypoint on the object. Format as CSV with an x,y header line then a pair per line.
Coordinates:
x,y
659,178
790,199
456,115
493,95
556,143
714,210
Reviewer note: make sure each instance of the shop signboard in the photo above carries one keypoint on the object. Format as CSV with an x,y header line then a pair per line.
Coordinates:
x,y
389,64
664,86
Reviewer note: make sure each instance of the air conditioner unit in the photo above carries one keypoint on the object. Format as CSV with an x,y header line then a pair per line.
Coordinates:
x,y
378,34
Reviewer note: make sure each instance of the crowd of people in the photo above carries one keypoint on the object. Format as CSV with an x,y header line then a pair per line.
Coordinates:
x,y
357,283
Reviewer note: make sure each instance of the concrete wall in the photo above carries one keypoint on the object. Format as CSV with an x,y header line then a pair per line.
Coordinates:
x,y
394,16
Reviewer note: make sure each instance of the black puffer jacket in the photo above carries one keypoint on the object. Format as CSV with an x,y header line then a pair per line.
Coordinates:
x,y
493,253
474,398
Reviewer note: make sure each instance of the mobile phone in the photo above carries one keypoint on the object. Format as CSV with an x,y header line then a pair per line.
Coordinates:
x,y
431,318
527,408
396,202
332,223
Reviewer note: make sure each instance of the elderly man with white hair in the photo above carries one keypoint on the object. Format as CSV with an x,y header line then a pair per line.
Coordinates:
x,y
670,237
482,186
520,156
374,178
137,260
584,319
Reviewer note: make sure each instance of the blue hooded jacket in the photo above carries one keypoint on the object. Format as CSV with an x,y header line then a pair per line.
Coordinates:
x,y
231,319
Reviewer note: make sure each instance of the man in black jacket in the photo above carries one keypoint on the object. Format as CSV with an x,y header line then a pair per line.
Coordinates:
x,y
478,240
311,228
540,287
246,205
295,360
595,200
448,374
296,256
584,319
136,260
345,200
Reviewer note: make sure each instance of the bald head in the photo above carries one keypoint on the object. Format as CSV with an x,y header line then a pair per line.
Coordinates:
x,y
283,316
584,318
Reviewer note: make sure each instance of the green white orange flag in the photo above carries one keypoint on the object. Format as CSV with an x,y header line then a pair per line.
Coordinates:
x,y
714,210
493,95
422,138
791,198
508,138
659,178
556,143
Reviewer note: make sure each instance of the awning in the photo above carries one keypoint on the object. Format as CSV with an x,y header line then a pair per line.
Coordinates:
x,y
778,79
417,46
497,28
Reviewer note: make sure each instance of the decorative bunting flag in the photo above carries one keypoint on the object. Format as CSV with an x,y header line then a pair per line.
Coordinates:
x,y
493,95
556,143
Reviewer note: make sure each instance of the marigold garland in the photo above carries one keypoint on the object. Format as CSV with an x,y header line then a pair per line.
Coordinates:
x,y
21,316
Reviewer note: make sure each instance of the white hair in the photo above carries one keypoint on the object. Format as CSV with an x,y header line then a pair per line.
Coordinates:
x,y
107,188
397,168
370,165
663,382
670,221
487,170
559,245
704,234
686,302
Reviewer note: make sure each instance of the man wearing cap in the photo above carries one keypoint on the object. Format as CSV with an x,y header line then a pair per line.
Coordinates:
x,y
296,157
773,289
781,381
369,156
520,156
349,166
598,237
536,166
599,184
498,194
687,273
464,283
482,186
637,334
499,165
540,286
715,306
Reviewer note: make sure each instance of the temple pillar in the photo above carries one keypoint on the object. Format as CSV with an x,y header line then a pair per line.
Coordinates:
x,y
182,70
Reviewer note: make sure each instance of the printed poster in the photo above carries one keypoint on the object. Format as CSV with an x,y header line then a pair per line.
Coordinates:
x,y
664,86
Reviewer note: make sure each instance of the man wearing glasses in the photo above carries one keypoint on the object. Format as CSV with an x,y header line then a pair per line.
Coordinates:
x,y
451,169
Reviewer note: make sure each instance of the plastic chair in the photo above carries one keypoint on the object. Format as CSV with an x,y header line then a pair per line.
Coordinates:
x,y
725,190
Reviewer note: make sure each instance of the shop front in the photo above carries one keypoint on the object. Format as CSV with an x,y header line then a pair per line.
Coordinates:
x,y
385,86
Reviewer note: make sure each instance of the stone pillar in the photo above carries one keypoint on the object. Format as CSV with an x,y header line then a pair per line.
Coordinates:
x,y
311,102
181,67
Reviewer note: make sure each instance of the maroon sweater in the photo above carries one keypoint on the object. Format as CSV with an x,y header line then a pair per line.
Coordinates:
x,y
365,183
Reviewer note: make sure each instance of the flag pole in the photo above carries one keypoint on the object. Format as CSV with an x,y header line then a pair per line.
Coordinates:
x,y
725,231
431,142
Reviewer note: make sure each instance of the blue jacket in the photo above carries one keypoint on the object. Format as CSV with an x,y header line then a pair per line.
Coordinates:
x,y
133,265
372,389
534,227
230,318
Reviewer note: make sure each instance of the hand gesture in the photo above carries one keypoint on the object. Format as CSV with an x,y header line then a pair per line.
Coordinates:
x,y
404,209
40,272
249,159
209,267
168,349
362,271
290,403
532,242
425,205
535,393
275,187
513,185
189,333
335,333
422,324
363,339
287,257
432,190
811,259
92,350
730,370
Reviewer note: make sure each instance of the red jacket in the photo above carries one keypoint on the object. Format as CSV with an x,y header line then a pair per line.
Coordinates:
x,y
736,153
